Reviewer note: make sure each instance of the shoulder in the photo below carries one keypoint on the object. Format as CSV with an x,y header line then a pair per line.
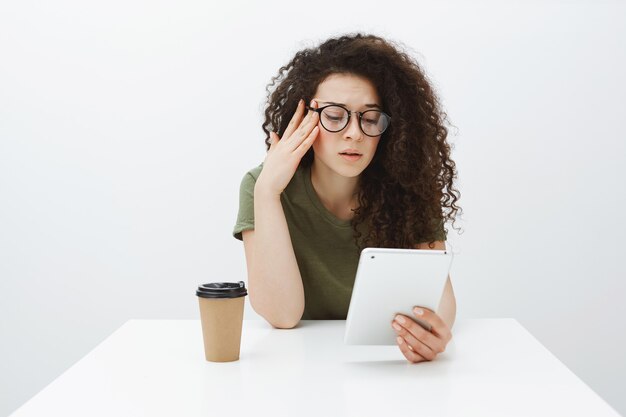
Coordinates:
x,y
254,173
249,178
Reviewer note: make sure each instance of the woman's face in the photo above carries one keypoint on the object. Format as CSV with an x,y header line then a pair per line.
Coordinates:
x,y
354,93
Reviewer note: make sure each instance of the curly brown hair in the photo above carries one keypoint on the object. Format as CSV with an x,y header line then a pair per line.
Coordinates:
x,y
406,193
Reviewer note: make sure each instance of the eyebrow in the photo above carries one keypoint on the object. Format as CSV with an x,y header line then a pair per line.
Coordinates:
x,y
345,105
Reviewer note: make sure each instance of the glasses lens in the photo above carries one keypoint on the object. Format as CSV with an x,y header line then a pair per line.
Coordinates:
x,y
334,118
374,122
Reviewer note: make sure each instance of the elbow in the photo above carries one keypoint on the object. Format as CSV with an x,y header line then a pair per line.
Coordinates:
x,y
285,324
277,318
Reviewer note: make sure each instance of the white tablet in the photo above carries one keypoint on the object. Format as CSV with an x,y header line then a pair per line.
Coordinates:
x,y
390,282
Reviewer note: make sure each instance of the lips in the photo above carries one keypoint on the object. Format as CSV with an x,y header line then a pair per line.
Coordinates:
x,y
350,151
351,157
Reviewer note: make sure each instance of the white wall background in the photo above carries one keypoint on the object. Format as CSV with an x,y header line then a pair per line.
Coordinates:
x,y
126,127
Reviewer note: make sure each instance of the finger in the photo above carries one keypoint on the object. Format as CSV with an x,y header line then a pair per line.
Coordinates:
x,y
422,341
417,332
408,353
307,142
303,132
418,345
439,327
304,127
295,120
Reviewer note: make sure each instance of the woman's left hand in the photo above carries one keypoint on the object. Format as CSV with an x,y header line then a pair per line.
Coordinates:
x,y
416,343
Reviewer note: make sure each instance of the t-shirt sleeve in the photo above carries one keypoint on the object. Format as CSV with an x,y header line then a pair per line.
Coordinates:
x,y
245,217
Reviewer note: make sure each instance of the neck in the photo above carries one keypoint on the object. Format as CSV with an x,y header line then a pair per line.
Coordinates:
x,y
336,192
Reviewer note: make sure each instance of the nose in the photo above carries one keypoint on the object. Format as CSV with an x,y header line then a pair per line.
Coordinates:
x,y
353,130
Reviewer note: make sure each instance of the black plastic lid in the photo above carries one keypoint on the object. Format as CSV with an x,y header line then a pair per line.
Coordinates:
x,y
222,290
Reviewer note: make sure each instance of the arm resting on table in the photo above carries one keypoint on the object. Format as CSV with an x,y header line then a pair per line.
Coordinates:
x,y
274,281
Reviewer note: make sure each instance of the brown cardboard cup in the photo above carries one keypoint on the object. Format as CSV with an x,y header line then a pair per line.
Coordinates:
x,y
221,316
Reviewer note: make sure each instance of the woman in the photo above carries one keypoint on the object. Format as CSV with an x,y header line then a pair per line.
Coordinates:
x,y
357,156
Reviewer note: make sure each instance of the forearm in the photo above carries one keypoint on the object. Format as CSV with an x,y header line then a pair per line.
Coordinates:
x,y
447,305
275,284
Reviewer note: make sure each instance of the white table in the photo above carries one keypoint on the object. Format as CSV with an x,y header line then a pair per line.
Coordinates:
x,y
492,367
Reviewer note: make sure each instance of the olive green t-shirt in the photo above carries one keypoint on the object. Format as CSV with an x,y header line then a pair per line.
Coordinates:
x,y
324,245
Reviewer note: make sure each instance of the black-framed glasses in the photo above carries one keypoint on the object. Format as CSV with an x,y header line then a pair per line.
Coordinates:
x,y
335,118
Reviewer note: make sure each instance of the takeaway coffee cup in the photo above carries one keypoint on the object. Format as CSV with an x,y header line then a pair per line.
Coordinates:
x,y
221,315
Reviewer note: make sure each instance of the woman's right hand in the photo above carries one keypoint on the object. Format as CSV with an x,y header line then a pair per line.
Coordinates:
x,y
284,155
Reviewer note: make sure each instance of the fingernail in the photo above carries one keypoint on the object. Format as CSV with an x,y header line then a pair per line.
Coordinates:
x,y
400,319
396,326
418,311
313,103
399,339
